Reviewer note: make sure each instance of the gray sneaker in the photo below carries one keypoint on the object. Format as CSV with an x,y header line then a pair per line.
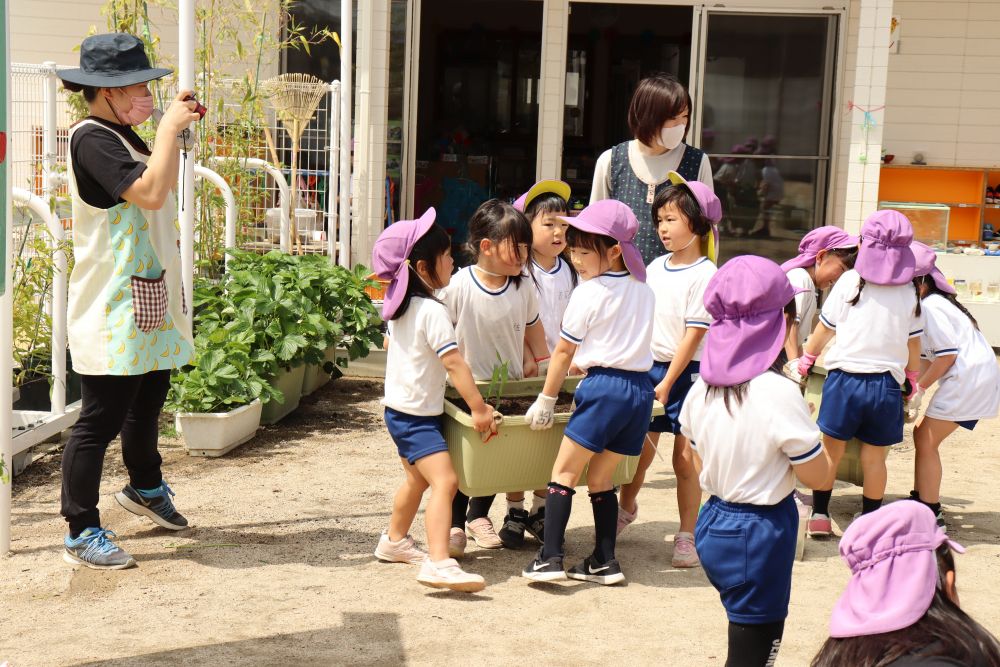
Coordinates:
x,y
156,506
94,549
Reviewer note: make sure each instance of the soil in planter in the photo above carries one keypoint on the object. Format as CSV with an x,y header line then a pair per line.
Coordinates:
x,y
518,405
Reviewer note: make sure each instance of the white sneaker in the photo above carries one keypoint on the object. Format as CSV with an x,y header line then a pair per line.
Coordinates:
x,y
403,551
457,542
448,574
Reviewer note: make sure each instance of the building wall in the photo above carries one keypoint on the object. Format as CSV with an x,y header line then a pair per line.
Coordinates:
x,y
944,92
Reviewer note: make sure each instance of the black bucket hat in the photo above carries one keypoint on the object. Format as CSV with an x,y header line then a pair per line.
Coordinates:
x,y
113,60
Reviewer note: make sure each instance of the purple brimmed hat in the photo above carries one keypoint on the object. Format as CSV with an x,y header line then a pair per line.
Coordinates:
x,y
746,299
612,218
541,187
711,209
390,257
894,570
926,260
884,257
821,238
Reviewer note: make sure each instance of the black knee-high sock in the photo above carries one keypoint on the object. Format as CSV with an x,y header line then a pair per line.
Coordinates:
x,y
459,506
605,506
479,507
821,502
869,505
557,509
754,645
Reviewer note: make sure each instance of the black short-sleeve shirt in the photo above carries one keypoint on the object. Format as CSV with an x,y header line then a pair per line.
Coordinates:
x,y
103,167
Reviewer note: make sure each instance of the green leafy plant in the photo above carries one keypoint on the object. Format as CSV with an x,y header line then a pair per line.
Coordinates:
x,y
266,313
4,475
498,381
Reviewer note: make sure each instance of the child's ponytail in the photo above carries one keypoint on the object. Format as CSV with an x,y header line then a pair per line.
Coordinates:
x,y
861,286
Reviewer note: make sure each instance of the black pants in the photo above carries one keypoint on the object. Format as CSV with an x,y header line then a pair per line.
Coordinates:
x,y
112,404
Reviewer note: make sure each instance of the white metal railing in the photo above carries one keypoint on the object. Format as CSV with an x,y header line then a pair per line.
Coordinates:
x,y
283,193
229,201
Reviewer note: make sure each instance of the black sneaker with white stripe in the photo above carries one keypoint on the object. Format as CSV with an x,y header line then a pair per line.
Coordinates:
x,y
154,505
607,574
549,569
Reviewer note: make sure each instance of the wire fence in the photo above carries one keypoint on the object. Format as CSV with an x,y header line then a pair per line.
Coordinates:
x,y
229,134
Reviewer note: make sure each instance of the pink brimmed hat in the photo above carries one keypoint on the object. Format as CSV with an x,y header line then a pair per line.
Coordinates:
x,y
612,218
746,299
541,187
390,257
884,257
821,238
711,209
926,260
894,569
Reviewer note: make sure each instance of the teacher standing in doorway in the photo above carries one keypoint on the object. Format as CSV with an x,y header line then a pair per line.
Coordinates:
x,y
126,320
634,171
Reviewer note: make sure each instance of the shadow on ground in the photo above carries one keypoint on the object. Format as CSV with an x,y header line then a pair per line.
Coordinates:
x,y
363,639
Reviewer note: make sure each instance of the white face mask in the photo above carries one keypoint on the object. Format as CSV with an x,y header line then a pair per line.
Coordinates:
x,y
671,137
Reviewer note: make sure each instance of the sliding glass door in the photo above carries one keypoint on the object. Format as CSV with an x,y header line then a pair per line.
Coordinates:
x,y
765,91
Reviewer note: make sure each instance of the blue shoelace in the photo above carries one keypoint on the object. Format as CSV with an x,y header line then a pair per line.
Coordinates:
x,y
99,544
164,492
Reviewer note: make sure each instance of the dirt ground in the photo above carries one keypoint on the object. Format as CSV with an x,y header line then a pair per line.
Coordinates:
x,y
278,566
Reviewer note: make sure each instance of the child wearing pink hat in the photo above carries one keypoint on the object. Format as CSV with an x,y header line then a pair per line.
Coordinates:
x,y
544,206
900,607
963,365
685,218
415,255
874,312
825,254
606,331
752,436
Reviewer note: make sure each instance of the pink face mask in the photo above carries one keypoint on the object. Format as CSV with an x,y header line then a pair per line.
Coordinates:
x,y
142,109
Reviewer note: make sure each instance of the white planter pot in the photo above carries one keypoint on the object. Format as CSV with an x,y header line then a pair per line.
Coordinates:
x,y
214,434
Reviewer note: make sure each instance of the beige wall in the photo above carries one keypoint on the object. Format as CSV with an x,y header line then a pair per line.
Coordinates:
x,y
944,84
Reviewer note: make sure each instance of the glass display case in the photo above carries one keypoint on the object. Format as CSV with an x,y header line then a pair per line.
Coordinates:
x,y
930,221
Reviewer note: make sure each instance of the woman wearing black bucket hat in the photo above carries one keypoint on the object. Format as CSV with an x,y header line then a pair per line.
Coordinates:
x,y
126,320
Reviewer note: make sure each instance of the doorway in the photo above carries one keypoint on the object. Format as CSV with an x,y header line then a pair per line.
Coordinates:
x,y
477,107
611,47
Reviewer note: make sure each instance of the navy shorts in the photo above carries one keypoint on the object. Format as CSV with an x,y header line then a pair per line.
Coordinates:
x,y
612,411
866,406
747,552
415,437
669,421
968,424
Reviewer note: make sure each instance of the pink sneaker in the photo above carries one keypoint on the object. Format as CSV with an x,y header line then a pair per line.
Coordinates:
x,y
685,555
456,543
625,518
483,533
403,551
819,525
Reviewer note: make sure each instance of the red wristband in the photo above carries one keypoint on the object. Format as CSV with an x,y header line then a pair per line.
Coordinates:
x,y
539,360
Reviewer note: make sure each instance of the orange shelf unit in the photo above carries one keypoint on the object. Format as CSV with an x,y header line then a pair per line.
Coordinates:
x,y
962,189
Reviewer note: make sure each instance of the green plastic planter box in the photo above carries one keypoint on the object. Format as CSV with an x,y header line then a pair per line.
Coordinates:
x,y
517,458
849,469
289,382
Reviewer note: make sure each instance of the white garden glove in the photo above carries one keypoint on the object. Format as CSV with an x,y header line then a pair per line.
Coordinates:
x,y
913,405
541,413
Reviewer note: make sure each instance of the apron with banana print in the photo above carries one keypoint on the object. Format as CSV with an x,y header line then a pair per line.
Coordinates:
x,y
126,309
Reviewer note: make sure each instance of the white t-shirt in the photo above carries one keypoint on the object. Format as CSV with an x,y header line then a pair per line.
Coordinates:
x,y
747,455
554,290
414,374
871,336
489,322
680,302
805,302
971,387
651,169
610,318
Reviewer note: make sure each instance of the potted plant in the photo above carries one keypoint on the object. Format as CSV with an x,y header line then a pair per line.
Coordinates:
x,y
517,458
218,399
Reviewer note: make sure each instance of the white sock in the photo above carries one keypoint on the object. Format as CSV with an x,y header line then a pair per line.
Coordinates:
x,y
537,503
515,504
